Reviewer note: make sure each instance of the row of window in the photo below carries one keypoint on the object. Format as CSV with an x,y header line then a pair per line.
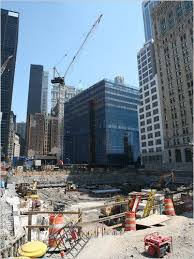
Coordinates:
x,y
148,114
150,135
151,143
150,150
149,121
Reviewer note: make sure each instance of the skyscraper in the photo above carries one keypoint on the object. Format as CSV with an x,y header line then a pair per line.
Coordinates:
x,y
147,8
44,96
35,89
9,41
150,121
173,38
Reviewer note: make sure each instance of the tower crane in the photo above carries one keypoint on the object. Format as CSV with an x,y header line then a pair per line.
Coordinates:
x,y
61,84
3,67
61,80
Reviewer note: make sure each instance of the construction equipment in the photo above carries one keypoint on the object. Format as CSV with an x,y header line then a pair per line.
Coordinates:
x,y
166,180
136,198
157,246
150,204
25,189
3,67
71,186
61,80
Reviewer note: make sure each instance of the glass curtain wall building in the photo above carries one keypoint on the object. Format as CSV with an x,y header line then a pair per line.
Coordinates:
x,y
9,41
101,125
147,7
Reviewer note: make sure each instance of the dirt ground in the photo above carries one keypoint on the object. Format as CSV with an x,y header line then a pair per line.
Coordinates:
x,y
131,244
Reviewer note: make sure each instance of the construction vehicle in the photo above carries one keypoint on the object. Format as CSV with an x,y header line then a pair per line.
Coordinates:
x,y
165,181
157,246
26,190
3,67
71,186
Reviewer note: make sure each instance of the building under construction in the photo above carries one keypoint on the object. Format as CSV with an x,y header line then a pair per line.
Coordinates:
x,y
101,125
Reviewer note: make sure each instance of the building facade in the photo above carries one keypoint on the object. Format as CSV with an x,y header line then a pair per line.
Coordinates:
x,y
149,113
44,96
21,129
60,95
173,39
9,42
41,134
35,89
101,125
16,152
147,8
12,130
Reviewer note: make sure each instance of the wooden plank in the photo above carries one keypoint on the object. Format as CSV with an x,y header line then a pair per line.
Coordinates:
x,y
152,220
49,212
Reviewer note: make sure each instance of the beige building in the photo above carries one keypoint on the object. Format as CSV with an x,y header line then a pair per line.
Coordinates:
x,y
42,130
173,39
16,152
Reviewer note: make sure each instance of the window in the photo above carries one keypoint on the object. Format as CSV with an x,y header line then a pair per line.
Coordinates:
x,y
146,87
141,116
188,155
170,19
149,121
143,137
153,83
179,10
162,26
158,149
148,107
146,94
142,130
156,118
141,110
178,155
157,126
155,111
144,151
142,123
148,114
151,150
157,134
150,135
154,104
143,144
149,128
150,143
158,141
147,100
153,90
154,97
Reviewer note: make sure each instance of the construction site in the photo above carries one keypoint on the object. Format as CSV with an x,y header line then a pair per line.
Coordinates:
x,y
97,214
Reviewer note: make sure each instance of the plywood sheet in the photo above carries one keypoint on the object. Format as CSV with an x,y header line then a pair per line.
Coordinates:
x,y
152,220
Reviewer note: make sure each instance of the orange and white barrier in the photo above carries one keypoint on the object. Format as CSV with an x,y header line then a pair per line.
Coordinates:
x,y
169,207
130,223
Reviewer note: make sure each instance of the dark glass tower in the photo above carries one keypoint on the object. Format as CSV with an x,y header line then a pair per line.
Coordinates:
x,y
35,89
147,7
9,41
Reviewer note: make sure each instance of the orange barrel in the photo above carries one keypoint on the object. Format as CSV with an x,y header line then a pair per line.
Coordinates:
x,y
169,207
130,224
51,240
57,231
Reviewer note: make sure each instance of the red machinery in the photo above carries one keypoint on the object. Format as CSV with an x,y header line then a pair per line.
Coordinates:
x,y
157,245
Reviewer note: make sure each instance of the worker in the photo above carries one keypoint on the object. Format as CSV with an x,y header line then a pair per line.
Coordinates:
x,y
43,223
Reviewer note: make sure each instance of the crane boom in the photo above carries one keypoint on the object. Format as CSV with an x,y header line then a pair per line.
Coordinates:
x,y
5,64
80,48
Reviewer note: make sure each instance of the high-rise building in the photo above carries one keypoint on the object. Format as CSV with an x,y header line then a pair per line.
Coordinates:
x,y
42,130
147,8
16,152
35,89
9,41
149,113
12,130
60,95
101,125
21,132
21,129
173,39
44,96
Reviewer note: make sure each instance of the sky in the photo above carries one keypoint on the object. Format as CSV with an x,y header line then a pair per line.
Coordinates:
x,y
50,30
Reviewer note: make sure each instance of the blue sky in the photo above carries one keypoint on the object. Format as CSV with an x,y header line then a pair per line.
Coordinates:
x,y
50,29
